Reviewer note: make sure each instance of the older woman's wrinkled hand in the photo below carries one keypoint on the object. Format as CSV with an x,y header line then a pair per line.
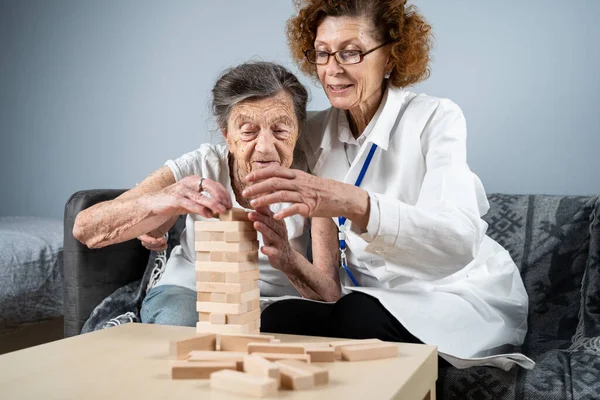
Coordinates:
x,y
311,196
276,244
185,197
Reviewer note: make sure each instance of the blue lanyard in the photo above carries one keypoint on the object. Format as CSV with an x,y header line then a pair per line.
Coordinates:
x,y
342,220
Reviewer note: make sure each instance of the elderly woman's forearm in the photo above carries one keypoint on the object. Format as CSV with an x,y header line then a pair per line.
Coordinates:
x,y
311,282
114,221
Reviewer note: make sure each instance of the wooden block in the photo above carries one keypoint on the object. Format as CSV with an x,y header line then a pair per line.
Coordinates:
x,y
240,342
206,327
246,276
294,378
241,256
204,317
223,226
243,236
209,276
245,384
226,266
179,349
225,308
216,318
249,295
337,345
369,352
207,356
275,348
199,370
202,256
204,296
244,318
259,366
209,236
225,287
321,375
225,246
285,356
321,354
234,214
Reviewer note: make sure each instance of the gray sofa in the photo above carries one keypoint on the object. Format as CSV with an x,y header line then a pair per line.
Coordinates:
x,y
555,241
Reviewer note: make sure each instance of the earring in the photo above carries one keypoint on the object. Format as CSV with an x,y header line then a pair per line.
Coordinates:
x,y
387,75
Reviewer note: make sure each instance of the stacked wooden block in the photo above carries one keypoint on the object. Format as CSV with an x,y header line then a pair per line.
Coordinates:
x,y
259,365
227,274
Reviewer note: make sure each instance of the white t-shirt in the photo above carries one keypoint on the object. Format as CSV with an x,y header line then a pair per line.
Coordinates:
x,y
210,161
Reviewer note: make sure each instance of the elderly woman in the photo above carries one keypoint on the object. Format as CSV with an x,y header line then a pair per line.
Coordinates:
x,y
261,109
392,174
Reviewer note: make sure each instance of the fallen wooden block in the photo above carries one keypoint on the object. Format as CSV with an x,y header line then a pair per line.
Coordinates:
x,y
221,266
223,226
338,344
206,327
369,352
179,349
199,370
225,246
259,366
206,356
281,348
240,383
294,378
234,214
285,356
321,375
240,342
321,354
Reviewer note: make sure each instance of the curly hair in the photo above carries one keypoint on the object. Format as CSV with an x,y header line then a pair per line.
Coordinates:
x,y
392,20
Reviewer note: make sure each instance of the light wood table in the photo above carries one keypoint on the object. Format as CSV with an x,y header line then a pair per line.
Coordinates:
x,y
131,362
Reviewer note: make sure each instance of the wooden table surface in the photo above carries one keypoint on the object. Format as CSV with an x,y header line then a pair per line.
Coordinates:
x,y
131,362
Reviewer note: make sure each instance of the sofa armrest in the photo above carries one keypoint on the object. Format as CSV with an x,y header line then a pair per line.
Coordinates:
x,y
92,274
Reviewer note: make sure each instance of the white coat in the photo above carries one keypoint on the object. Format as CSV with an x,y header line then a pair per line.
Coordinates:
x,y
425,254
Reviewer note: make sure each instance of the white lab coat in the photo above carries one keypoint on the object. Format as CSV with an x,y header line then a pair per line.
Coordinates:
x,y
425,254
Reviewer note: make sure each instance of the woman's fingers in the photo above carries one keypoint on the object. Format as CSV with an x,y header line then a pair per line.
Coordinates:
x,y
281,196
191,207
277,226
270,172
213,205
270,251
294,209
270,237
217,191
268,186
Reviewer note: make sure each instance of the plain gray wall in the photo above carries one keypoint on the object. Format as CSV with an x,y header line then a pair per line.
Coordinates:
x,y
97,94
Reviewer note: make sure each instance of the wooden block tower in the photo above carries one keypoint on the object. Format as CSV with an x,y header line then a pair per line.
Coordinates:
x,y
227,275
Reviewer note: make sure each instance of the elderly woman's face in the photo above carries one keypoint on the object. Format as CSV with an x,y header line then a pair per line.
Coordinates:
x,y
263,132
348,86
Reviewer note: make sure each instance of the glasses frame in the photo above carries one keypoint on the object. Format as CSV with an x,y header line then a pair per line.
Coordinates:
x,y
335,55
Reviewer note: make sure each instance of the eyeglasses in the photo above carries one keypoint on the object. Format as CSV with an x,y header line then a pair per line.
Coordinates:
x,y
344,57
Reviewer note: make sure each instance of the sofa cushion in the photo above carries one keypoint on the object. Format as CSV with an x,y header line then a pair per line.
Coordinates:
x,y
30,272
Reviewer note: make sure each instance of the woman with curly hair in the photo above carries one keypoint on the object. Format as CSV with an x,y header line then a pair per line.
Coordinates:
x,y
390,171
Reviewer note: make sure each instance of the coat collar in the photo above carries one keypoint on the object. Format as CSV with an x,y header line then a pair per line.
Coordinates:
x,y
378,130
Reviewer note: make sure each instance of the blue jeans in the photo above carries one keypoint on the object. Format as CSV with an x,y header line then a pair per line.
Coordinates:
x,y
170,305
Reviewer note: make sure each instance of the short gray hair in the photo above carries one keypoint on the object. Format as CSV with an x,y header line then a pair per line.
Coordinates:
x,y
254,80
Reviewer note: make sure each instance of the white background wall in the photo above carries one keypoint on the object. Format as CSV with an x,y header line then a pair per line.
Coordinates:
x,y
97,94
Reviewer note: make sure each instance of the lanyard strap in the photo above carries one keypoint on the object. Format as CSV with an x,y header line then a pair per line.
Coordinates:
x,y
342,220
